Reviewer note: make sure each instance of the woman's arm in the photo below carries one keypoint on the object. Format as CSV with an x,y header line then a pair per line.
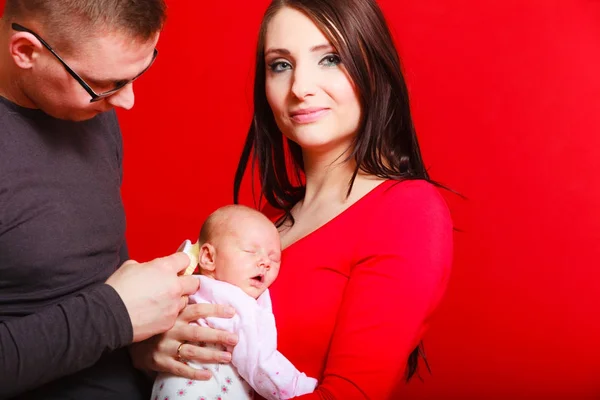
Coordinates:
x,y
399,276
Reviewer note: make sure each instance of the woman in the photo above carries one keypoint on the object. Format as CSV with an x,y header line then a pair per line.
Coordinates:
x,y
367,238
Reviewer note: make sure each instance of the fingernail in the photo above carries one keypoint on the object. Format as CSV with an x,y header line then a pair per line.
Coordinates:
x,y
230,311
203,375
225,357
232,339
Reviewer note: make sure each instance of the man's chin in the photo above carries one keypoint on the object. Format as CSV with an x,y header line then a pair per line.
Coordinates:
x,y
79,116
85,117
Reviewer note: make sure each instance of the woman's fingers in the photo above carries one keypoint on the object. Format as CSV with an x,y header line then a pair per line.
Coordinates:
x,y
194,312
160,353
200,334
199,353
179,368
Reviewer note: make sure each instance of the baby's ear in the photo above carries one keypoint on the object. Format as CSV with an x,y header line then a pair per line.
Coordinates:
x,y
206,257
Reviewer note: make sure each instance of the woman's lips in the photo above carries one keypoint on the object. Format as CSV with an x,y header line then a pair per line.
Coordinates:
x,y
308,115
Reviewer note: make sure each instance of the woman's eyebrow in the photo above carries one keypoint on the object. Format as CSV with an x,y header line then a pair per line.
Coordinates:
x,y
278,51
319,47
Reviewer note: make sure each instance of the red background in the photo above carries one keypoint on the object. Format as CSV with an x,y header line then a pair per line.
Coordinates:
x,y
506,100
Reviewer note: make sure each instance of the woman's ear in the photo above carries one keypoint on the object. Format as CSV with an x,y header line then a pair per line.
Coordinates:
x,y
24,49
206,257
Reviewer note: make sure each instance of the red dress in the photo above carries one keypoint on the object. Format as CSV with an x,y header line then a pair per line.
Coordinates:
x,y
353,298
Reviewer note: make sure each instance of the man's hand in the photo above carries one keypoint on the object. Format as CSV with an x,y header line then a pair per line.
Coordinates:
x,y
153,292
160,352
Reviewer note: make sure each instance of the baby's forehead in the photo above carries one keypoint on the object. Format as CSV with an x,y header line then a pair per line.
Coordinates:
x,y
248,237
246,220
240,223
252,239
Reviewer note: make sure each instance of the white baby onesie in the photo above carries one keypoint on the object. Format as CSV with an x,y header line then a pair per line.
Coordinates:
x,y
255,358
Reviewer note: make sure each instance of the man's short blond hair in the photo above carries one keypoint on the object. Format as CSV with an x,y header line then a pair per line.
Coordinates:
x,y
64,21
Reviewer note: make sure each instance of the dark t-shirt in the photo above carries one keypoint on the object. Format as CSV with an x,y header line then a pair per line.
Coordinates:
x,y
62,234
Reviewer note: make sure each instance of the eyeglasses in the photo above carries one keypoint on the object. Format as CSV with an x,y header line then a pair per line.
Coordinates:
x,y
95,96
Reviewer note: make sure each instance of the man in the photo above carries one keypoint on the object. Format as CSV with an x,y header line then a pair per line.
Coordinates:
x,y
67,312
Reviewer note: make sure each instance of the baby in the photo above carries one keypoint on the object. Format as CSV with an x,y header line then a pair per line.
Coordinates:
x,y
238,254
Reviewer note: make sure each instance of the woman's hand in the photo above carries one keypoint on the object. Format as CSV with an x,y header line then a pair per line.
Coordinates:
x,y
162,353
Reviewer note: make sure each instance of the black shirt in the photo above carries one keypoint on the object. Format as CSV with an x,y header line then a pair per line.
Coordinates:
x,y
62,234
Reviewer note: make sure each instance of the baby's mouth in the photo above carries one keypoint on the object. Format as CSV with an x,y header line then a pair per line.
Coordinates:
x,y
258,278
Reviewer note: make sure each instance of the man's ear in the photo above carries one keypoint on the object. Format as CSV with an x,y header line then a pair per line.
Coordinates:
x,y
24,49
206,257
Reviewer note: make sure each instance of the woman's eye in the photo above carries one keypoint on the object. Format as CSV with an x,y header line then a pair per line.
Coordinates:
x,y
279,66
331,60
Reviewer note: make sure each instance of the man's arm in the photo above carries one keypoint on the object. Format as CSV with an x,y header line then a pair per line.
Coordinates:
x,y
123,253
61,339
73,334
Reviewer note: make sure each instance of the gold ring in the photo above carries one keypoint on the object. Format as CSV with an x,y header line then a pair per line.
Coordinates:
x,y
179,350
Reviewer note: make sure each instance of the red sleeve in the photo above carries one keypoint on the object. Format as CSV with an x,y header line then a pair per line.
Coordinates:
x,y
399,276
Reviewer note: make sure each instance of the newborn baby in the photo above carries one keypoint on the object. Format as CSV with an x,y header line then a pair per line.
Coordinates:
x,y
238,254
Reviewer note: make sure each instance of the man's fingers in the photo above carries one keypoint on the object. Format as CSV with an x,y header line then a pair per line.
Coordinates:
x,y
183,302
178,261
189,284
180,369
129,262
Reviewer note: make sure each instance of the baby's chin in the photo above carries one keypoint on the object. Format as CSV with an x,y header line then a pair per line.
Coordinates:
x,y
254,292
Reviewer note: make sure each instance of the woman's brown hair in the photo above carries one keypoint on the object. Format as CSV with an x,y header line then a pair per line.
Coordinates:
x,y
385,144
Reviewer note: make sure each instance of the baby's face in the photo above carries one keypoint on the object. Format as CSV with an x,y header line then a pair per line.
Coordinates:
x,y
249,256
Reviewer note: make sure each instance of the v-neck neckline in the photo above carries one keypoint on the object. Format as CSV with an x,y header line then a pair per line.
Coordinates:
x,y
370,193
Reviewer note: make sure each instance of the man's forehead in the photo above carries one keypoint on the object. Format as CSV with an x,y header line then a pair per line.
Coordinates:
x,y
114,57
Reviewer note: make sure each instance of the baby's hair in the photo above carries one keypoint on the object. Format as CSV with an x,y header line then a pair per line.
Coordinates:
x,y
219,219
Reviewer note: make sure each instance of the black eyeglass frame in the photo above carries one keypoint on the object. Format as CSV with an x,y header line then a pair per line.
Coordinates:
x,y
95,96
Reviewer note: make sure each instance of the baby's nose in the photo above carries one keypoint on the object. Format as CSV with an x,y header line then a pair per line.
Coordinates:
x,y
264,264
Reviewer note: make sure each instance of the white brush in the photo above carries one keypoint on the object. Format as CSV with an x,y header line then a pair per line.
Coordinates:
x,y
192,250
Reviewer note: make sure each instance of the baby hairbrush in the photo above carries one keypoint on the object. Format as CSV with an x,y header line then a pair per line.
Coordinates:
x,y
192,251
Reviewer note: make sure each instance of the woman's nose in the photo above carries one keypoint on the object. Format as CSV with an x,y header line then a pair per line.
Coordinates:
x,y
303,85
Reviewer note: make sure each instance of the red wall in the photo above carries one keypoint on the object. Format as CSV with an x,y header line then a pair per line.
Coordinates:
x,y
506,99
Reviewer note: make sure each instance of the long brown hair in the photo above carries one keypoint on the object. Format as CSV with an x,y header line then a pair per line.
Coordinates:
x,y
385,144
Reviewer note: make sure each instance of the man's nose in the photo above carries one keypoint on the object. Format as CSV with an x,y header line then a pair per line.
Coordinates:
x,y
124,98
